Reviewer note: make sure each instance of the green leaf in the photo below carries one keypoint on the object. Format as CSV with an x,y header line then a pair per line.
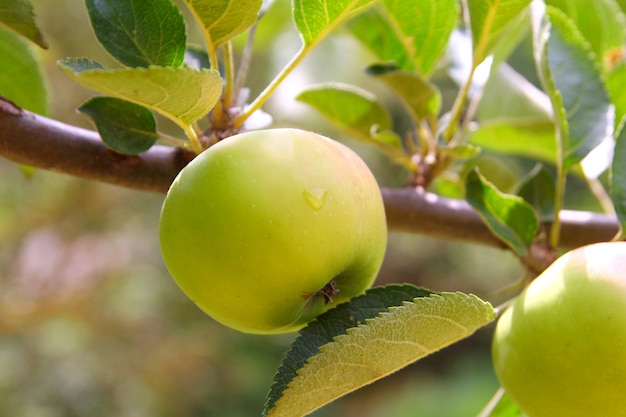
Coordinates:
x,y
316,18
139,33
346,352
600,22
182,94
572,80
347,106
18,15
412,34
509,217
618,181
488,20
424,27
616,85
538,189
532,137
358,112
21,78
222,20
123,126
373,29
421,98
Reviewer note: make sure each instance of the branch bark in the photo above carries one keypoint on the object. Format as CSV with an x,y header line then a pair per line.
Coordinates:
x,y
29,139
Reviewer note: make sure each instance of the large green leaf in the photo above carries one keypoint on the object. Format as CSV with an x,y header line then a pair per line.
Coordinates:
x,y
125,127
21,78
354,350
509,217
601,23
424,27
572,80
488,20
139,33
316,18
18,15
374,30
222,20
182,94
618,181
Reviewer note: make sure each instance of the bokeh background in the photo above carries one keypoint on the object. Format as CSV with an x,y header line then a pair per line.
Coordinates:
x,y
91,324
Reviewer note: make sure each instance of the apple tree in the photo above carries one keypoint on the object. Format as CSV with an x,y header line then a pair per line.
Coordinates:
x,y
269,226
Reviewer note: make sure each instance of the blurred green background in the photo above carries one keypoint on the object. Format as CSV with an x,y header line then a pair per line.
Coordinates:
x,y
91,324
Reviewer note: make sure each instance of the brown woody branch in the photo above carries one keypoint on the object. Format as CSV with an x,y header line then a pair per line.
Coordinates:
x,y
29,139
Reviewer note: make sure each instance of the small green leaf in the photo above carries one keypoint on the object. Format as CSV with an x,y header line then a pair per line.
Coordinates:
x,y
139,33
18,15
583,111
222,20
488,19
618,181
462,151
21,78
349,354
347,106
421,98
315,19
424,28
182,94
123,126
509,217
538,189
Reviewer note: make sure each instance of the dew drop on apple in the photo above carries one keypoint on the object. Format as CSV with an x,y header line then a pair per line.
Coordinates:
x,y
316,197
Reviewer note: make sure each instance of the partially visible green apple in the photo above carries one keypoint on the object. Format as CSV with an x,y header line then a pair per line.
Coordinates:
x,y
268,229
560,349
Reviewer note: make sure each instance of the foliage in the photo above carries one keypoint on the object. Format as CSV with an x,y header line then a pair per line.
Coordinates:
x,y
445,115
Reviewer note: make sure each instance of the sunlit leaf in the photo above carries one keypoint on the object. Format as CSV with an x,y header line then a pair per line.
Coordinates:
x,y
348,106
21,78
125,127
139,33
509,217
222,20
182,94
19,16
391,338
488,19
316,18
359,113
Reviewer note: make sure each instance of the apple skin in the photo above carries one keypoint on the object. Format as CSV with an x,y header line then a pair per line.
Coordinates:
x,y
560,349
268,229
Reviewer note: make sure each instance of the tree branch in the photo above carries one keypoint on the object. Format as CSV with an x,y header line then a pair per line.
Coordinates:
x,y
29,139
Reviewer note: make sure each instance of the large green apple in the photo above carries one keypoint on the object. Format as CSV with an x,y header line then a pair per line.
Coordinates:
x,y
560,349
267,229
